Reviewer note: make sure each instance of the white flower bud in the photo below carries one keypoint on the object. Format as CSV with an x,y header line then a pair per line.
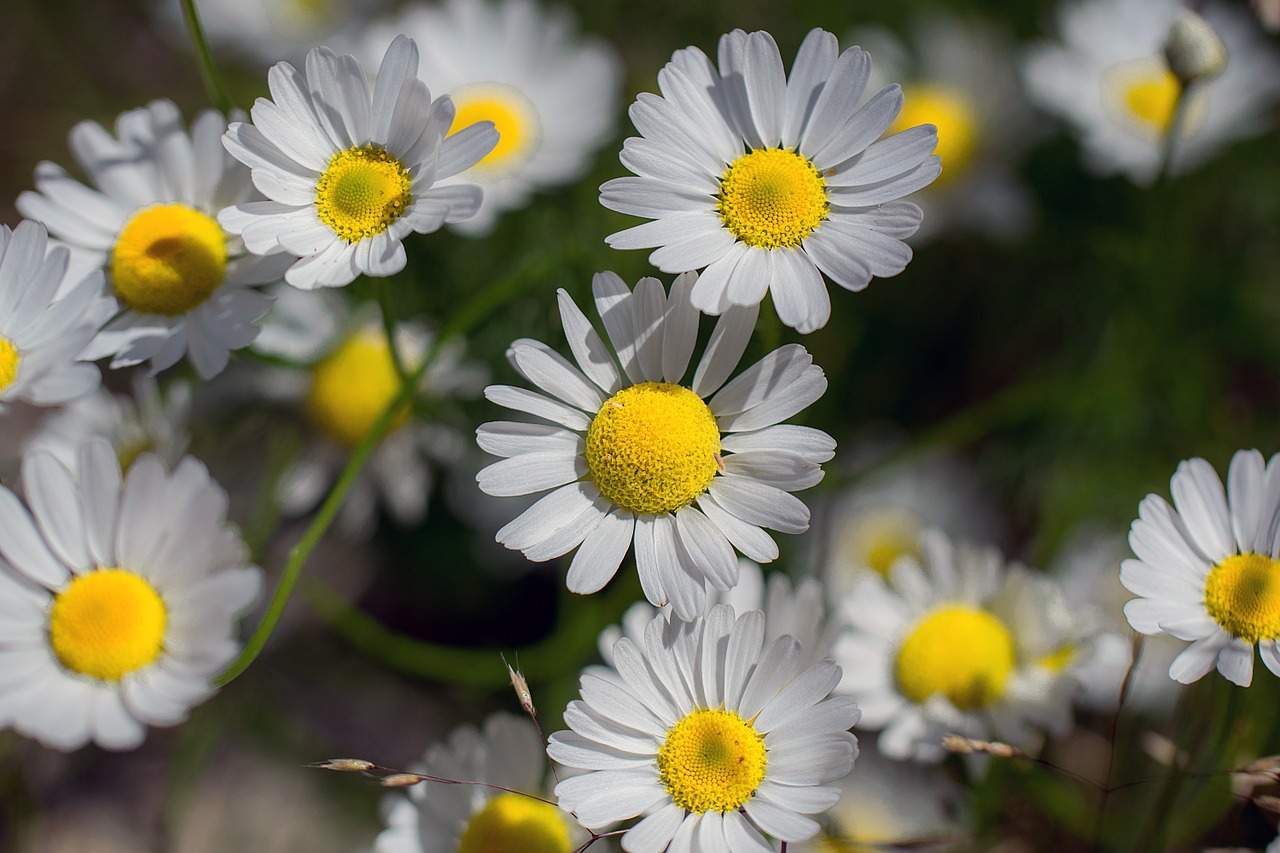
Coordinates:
x,y
1194,50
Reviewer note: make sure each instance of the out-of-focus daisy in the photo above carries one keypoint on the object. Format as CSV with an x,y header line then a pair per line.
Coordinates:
x,y
1109,80
118,596
630,451
551,96
958,643
270,30
958,74
769,180
349,172
1206,568
45,320
707,734
440,818
185,285
345,378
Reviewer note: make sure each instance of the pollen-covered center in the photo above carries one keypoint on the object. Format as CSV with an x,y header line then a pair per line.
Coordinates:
x,y
351,387
772,198
514,822
712,760
362,191
1242,594
9,359
107,623
168,260
652,447
953,114
512,114
961,652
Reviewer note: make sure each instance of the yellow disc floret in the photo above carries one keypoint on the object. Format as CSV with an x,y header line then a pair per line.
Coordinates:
x,y
952,113
9,359
352,386
512,822
772,198
107,623
362,191
1151,98
961,652
712,760
168,260
878,536
652,448
1242,594
512,114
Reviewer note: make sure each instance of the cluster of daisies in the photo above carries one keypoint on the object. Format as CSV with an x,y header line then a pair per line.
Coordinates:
x,y
724,716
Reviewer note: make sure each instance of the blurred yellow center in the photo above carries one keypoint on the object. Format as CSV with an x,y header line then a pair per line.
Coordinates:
x,y
511,822
512,115
352,386
961,652
880,535
1242,595
8,363
652,447
1151,99
952,113
168,260
362,191
107,623
712,760
1057,661
772,198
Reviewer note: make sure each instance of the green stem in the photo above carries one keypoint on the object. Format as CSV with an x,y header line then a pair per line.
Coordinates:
x,y
208,71
389,327
1169,141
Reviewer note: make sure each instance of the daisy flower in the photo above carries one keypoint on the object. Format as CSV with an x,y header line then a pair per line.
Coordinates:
x,y
1109,80
268,30
1206,568
552,96
689,473
185,285
440,818
46,320
958,643
118,596
769,181
349,173
712,738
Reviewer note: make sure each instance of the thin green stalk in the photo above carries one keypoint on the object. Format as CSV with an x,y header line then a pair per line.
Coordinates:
x,y
212,82
1169,142
383,290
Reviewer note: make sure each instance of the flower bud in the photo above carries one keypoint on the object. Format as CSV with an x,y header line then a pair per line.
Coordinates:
x,y
1194,50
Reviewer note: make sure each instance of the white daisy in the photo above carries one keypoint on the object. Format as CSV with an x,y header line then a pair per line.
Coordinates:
x,y
269,30
440,818
958,643
713,739
45,320
118,597
185,285
1206,568
1109,80
552,96
769,181
630,452
350,173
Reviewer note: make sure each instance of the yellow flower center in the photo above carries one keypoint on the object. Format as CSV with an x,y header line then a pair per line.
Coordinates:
x,y
1151,99
771,198
362,191
9,359
1142,94
952,113
959,651
352,386
512,114
107,623
712,760
880,535
1242,595
512,822
1057,660
168,260
652,447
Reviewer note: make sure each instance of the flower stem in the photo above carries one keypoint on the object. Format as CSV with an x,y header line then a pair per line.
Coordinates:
x,y
212,82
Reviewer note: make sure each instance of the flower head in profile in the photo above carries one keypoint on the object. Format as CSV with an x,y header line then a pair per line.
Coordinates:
x,y
1206,568
118,596
707,733
186,287
348,172
771,180
686,472
552,95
